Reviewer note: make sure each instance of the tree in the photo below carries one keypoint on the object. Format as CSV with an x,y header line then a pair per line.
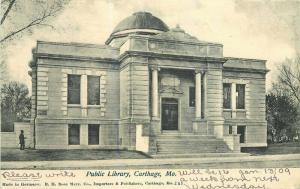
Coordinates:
x,y
282,117
15,104
18,16
289,78
288,85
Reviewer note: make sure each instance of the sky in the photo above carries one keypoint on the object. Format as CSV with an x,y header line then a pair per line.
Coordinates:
x,y
261,29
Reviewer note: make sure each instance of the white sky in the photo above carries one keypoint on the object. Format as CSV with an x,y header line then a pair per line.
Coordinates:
x,y
251,29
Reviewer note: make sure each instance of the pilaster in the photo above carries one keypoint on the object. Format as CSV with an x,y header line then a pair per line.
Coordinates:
x,y
84,134
198,93
83,95
42,91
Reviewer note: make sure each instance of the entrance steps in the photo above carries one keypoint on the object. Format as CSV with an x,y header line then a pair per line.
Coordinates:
x,y
189,143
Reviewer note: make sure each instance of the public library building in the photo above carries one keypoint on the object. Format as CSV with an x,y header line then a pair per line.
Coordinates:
x,y
148,88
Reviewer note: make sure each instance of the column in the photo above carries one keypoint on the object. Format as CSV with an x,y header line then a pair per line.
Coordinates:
x,y
155,92
233,100
204,100
83,95
198,94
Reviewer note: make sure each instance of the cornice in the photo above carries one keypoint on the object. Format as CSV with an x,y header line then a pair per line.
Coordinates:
x,y
246,59
76,44
171,57
248,70
77,58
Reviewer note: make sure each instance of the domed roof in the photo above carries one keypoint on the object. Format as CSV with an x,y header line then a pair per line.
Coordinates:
x,y
141,20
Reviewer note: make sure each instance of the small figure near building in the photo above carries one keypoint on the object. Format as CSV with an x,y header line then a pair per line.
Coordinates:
x,y
22,140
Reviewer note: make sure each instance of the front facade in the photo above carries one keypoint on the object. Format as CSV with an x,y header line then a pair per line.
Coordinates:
x,y
149,88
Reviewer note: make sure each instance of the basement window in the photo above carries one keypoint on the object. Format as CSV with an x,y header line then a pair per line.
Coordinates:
x,y
74,134
93,134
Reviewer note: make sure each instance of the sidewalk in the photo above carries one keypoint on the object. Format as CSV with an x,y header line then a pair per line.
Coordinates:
x,y
290,160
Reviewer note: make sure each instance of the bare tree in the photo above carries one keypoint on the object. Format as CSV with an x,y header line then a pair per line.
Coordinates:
x,y
289,77
3,72
10,4
18,16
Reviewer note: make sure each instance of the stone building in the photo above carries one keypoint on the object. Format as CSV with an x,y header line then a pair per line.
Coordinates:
x,y
149,88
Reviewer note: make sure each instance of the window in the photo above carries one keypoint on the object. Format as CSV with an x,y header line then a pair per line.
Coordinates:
x,y
192,96
240,96
226,96
93,134
93,90
74,134
230,130
73,89
242,131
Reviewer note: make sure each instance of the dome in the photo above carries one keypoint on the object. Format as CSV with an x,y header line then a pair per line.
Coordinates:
x,y
140,21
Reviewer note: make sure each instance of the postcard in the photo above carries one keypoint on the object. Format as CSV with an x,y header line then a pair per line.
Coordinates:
x,y
190,94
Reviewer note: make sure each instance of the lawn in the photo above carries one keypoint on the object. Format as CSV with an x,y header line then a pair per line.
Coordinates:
x,y
280,148
52,155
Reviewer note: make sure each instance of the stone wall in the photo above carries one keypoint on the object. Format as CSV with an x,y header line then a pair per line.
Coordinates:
x,y
11,139
51,134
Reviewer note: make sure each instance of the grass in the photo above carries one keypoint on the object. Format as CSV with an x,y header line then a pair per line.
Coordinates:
x,y
54,155
273,149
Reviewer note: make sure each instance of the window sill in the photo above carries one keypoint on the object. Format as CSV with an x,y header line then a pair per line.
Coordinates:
x,y
79,106
93,106
237,110
74,105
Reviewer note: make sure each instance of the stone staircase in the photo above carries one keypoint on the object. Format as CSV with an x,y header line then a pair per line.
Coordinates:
x,y
188,143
